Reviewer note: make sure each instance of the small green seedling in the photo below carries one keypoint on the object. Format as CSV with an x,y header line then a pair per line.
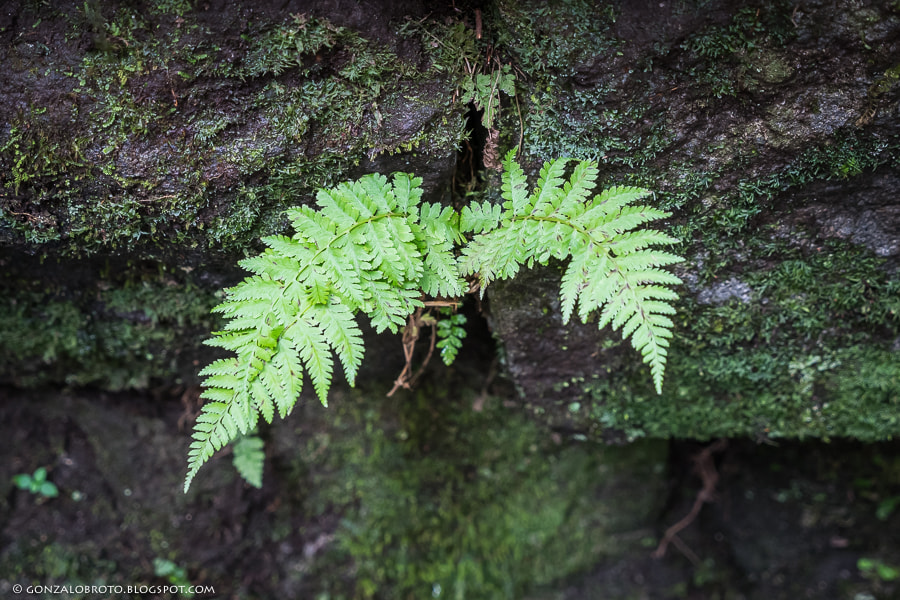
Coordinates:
x,y
172,573
36,483
872,568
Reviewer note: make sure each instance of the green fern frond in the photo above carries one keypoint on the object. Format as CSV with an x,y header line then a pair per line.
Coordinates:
x,y
574,200
339,327
366,249
480,217
307,338
549,186
611,200
438,233
217,424
451,334
614,267
514,186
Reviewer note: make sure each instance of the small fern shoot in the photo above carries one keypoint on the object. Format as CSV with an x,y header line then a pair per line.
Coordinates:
x,y
451,333
614,266
371,247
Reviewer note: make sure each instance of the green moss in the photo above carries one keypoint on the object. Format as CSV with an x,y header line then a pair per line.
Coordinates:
x,y
848,393
610,138
122,334
749,29
811,355
723,57
550,38
550,42
170,130
768,67
557,45
55,563
723,214
448,502
77,566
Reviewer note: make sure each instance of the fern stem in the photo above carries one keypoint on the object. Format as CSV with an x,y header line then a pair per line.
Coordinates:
x,y
559,221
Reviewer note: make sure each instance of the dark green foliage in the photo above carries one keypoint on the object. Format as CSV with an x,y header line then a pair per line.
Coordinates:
x,y
124,332
439,498
749,29
371,247
451,333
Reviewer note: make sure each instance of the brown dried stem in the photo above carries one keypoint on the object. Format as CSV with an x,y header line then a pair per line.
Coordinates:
x,y
705,467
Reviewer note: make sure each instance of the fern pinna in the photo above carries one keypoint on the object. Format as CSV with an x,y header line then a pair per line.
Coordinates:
x,y
373,247
614,268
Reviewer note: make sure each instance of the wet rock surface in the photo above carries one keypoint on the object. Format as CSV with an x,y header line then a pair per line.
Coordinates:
x,y
787,521
146,149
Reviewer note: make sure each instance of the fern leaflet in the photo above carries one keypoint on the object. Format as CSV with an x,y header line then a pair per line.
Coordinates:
x,y
451,334
248,459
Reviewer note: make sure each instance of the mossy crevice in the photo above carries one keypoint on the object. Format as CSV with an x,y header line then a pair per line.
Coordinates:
x,y
124,331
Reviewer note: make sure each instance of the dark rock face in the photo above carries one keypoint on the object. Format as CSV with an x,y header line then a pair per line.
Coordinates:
x,y
130,127
771,134
335,516
170,139
866,213
173,137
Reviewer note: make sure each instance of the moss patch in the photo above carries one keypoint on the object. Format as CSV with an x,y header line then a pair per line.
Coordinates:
x,y
123,333
175,127
444,501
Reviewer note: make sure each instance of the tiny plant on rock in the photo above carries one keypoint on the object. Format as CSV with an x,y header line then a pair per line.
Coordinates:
x,y
372,246
36,483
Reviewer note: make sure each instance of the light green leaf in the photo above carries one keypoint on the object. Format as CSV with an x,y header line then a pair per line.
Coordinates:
x,y
248,459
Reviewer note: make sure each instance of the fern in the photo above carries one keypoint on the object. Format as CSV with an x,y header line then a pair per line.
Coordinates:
x,y
373,247
615,267
451,333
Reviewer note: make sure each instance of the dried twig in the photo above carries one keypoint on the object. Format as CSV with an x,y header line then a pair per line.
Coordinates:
x,y
410,336
705,467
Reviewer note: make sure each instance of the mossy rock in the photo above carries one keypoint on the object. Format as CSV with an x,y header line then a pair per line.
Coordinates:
x,y
147,148
780,165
